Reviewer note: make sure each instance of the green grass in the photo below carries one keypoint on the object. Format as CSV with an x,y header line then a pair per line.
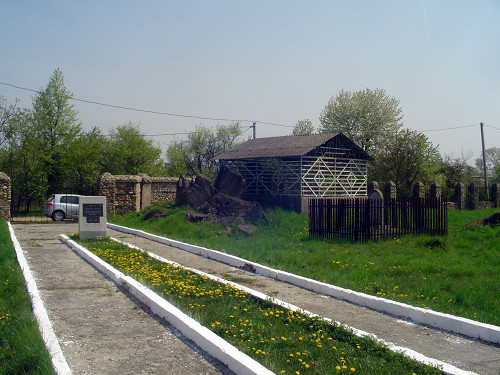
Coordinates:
x,y
455,274
22,350
286,342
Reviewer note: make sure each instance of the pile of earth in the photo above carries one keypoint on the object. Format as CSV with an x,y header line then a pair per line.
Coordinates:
x,y
493,220
220,203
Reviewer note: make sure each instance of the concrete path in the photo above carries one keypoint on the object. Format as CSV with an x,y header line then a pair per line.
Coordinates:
x,y
100,329
40,240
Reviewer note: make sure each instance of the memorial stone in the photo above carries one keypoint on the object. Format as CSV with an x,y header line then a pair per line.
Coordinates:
x,y
92,218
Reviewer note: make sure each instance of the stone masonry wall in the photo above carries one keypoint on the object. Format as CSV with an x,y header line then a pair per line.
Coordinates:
x,y
130,193
163,188
4,196
464,197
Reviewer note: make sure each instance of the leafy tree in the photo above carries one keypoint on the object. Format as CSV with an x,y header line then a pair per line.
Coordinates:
x,y
492,156
367,117
7,113
127,151
455,169
303,127
405,157
21,160
195,154
86,161
56,126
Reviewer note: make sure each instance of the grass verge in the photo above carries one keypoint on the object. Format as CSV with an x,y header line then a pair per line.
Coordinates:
x,y
286,342
22,350
455,274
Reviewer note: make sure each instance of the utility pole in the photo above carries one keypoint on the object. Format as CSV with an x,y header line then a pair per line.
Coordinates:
x,y
484,163
254,132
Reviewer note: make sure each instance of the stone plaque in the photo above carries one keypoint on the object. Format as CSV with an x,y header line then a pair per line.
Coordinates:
x,y
93,212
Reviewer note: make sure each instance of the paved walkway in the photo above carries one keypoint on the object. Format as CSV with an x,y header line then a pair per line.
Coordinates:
x,y
100,329
80,299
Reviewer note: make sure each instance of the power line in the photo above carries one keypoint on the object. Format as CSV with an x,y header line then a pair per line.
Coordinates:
x,y
162,134
451,128
183,133
152,112
491,126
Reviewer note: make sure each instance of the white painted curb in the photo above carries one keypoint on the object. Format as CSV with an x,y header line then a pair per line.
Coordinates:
x,y
49,337
445,367
235,360
160,304
447,322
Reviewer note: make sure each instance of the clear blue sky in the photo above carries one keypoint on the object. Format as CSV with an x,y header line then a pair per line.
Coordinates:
x,y
268,61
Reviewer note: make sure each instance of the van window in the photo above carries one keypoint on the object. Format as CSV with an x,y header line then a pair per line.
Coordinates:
x,y
69,199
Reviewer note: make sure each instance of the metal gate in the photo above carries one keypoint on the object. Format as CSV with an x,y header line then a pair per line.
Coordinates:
x,y
30,198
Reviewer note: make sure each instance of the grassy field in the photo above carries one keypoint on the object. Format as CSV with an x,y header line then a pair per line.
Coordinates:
x,y
455,274
22,350
286,342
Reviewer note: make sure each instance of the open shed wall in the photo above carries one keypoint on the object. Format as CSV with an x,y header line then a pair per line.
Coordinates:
x,y
333,177
303,176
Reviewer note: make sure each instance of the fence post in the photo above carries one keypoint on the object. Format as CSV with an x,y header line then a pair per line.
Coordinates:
x,y
145,190
435,192
376,207
372,186
4,196
418,210
459,195
472,196
419,190
106,186
390,192
495,195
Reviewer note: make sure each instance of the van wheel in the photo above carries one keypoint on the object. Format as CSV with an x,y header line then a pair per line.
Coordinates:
x,y
57,215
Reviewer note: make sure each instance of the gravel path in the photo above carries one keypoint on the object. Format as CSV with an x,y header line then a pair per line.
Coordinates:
x,y
98,327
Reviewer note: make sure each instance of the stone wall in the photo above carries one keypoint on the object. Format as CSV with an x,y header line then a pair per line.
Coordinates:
x,y
163,188
4,196
131,193
464,197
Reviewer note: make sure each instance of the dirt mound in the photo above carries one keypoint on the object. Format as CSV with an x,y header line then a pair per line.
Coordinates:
x,y
154,214
222,203
492,221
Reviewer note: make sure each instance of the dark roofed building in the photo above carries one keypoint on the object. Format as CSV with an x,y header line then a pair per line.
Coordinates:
x,y
294,168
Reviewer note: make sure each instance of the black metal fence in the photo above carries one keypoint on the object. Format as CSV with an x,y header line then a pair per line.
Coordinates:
x,y
363,219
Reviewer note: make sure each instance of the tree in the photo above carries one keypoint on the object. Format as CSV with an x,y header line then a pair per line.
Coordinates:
x,y
21,160
455,169
303,127
56,126
367,117
7,113
406,157
85,162
127,151
195,154
492,156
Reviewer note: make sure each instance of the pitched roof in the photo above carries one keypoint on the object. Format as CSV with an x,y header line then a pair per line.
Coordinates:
x,y
283,146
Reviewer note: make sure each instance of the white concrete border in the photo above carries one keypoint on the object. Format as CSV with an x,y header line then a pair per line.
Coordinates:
x,y
235,360
179,315
447,368
447,322
44,325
